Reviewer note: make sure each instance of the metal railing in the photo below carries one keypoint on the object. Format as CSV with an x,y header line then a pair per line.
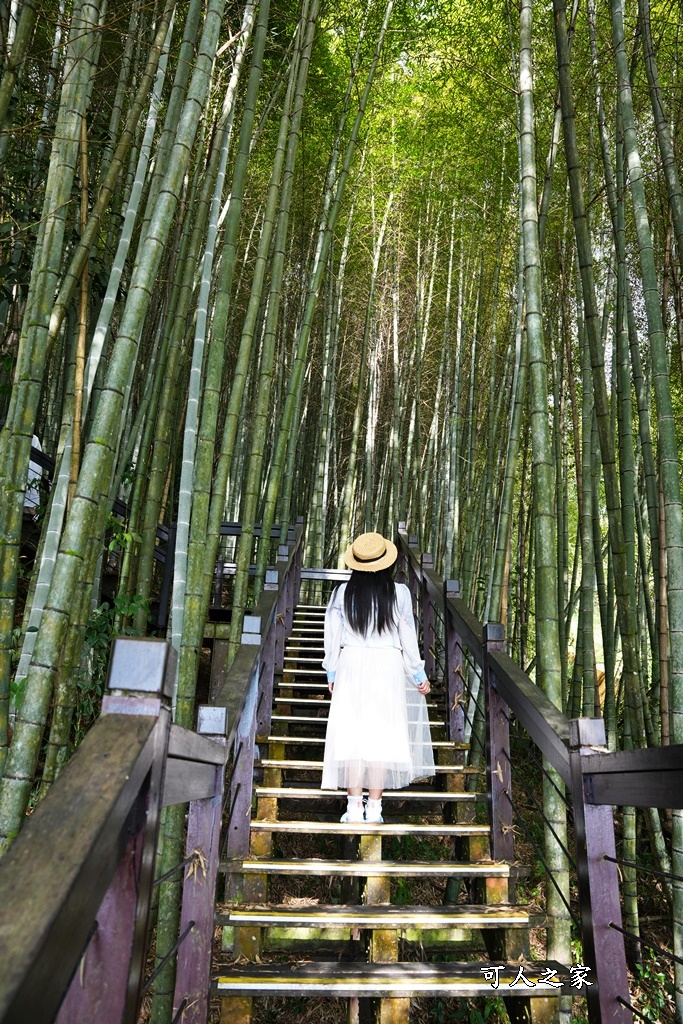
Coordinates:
x,y
596,780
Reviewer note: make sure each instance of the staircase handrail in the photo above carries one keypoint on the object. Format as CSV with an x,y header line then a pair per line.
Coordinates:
x,y
76,885
597,779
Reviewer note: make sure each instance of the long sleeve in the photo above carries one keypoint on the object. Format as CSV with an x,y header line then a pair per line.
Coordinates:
x,y
414,665
334,624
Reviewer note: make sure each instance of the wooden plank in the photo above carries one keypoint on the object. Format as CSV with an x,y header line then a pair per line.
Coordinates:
x,y
191,746
498,770
363,869
367,829
468,626
638,778
375,915
317,766
188,780
193,974
654,789
345,980
598,882
303,740
301,793
233,692
546,725
47,912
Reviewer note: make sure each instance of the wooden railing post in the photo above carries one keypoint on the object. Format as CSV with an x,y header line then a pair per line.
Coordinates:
x,y
281,614
264,708
106,985
241,785
498,775
298,563
202,850
455,680
598,882
428,633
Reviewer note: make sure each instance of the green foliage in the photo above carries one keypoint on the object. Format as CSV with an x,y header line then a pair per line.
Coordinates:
x,y
654,988
119,535
470,1011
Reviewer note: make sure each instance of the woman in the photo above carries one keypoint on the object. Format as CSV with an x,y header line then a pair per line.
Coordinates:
x,y
378,730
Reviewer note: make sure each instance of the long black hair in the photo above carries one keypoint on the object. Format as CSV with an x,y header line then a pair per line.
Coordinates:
x,y
370,598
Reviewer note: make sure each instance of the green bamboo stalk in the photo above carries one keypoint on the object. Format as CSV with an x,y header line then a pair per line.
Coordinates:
x,y
20,45
285,158
548,660
664,139
668,451
348,491
15,440
191,604
192,240
58,504
291,132
99,455
324,240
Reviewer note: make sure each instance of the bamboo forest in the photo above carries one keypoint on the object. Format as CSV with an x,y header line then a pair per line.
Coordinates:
x,y
273,276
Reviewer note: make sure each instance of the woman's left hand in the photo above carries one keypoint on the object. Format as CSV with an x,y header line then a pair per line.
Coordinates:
x,y
424,688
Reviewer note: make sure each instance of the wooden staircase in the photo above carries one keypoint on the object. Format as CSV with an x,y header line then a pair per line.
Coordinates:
x,y
324,909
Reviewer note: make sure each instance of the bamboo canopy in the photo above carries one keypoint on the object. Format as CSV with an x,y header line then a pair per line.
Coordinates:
x,y
359,264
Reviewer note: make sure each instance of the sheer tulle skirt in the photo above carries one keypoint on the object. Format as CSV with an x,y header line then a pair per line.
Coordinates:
x,y
378,730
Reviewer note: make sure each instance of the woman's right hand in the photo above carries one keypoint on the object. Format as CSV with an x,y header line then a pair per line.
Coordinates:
x,y
424,688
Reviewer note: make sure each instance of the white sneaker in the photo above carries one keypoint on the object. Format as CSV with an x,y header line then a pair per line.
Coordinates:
x,y
373,812
354,812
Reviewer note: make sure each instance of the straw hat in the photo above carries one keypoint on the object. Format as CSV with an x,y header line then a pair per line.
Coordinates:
x,y
370,552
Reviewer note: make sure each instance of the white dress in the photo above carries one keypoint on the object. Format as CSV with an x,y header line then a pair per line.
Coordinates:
x,y
378,730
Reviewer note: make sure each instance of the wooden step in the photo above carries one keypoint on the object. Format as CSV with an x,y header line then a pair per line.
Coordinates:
x,y
304,740
317,766
364,828
320,719
303,661
381,916
313,702
300,793
368,868
319,687
345,980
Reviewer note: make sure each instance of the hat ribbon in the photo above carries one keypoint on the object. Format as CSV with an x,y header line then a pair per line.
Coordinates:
x,y
366,561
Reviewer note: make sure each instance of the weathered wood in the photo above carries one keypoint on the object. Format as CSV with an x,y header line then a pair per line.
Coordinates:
x,y
547,727
193,974
187,780
241,785
376,915
363,869
368,829
74,848
638,778
462,980
455,679
219,656
191,746
498,774
598,880
428,634
266,681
